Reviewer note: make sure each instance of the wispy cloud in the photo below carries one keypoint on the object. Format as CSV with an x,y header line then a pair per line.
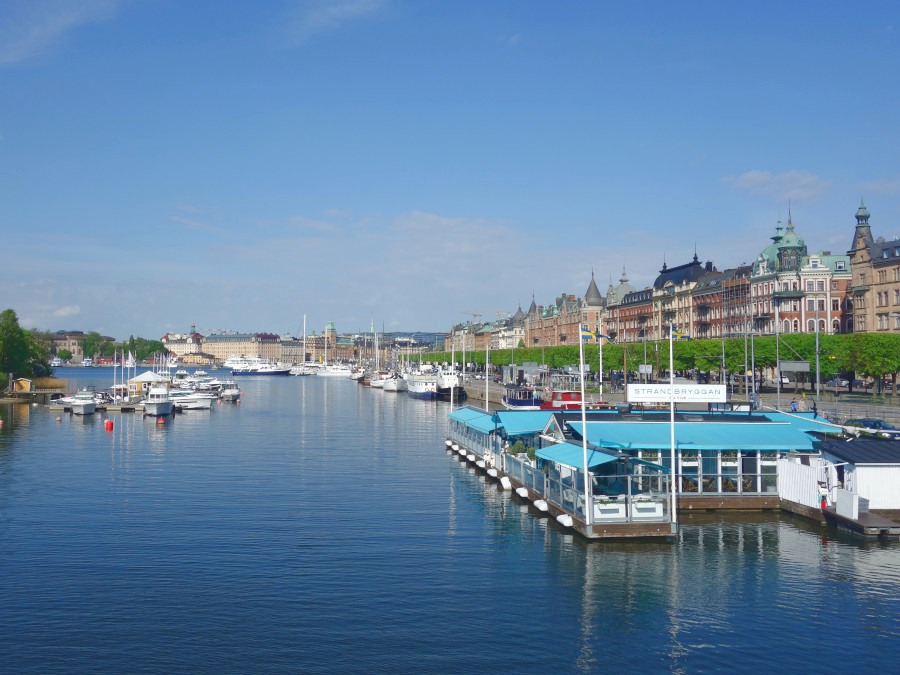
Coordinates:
x,y
200,226
885,187
310,17
783,186
509,40
68,310
29,28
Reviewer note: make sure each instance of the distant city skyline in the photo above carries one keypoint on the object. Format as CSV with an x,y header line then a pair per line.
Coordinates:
x,y
238,166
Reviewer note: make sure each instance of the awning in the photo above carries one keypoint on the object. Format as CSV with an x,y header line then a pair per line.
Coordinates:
x,y
573,455
655,435
474,419
517,422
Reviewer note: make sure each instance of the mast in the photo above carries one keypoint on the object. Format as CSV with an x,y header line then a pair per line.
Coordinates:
x,y
587,477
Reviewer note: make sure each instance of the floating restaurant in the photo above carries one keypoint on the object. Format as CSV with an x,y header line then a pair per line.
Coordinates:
x,y
723,460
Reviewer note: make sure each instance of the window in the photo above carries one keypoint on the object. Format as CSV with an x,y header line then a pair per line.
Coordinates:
x,y
897,274
821,305
897,296
882,276
820,285
881,322
839,265
835,305
834,285
810,285
810,305
787,327
810,326
821,325
862,278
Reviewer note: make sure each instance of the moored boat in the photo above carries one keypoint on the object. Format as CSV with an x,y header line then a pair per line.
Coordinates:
x,y
422,385
158,403
518,397
84,403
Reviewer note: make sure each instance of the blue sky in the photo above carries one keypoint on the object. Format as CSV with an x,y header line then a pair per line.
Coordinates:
x,y
239,165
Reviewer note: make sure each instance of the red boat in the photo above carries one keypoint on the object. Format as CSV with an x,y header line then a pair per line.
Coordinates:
x,y
570,400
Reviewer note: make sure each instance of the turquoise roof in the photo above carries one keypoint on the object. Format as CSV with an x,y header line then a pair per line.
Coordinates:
x,y
648,435
476,419
573,455
517,422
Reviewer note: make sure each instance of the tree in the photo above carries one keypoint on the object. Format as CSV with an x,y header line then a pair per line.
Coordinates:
x,y
64,355
90,344
39,344
13,345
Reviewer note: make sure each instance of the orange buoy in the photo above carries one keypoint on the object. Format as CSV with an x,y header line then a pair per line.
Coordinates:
x,y
160,420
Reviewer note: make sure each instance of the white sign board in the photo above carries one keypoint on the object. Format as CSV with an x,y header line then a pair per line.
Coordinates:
x,y
684,393
645,369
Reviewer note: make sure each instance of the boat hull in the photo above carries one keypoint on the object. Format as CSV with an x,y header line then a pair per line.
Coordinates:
x,y
83,407
158,408
273,371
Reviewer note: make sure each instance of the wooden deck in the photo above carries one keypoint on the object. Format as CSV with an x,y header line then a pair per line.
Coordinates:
x,y
867,524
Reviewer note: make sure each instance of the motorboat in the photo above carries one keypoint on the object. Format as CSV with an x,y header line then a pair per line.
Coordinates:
x,y
335,370
302,370
191,400
230,391
83,403
254,365
395,383
519,397
157,403
422,385
449,386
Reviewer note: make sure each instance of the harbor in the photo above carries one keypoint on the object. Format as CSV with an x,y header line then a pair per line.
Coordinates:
x,y
317,504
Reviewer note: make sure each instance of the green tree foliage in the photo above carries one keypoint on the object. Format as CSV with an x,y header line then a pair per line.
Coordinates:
x,y
22,353
64,354
90,344
14,352
867,354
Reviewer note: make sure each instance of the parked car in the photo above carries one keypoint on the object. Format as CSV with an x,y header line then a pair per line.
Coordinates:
x,y
861,384
837,382
883,428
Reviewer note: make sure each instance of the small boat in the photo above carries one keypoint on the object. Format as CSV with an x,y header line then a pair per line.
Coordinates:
x,y
449,386
302,370
422,385
566,399
230,391
191,400
158,402
395,383
83,403
519,397
335,370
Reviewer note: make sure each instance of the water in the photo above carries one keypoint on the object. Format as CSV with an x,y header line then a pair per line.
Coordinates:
x,y
322,526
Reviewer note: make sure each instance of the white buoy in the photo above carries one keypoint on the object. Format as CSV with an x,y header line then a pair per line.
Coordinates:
x,y
522,492
564,519
471,458
448,442
541,505
492,473
463,451
455,446
505,483
480,464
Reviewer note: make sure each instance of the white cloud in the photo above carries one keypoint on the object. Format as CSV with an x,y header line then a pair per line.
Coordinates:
x,y
783,186
200,226
29,28
68,310
310,17
887,187
510,40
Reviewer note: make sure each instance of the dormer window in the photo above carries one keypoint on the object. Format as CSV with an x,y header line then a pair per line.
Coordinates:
x,y
839,265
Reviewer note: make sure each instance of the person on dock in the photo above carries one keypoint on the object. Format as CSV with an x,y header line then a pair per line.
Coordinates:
x,y
793,405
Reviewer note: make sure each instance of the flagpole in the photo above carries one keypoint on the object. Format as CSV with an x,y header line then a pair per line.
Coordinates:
x,y
600,357
672,484
587,478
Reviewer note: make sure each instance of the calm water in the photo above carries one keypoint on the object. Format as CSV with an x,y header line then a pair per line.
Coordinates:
x,y
321,526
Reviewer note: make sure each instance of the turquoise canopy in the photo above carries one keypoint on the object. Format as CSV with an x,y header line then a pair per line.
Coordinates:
x,y
655,435
573,455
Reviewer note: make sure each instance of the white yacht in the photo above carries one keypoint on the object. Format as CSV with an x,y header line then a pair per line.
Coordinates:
x,y
335,370
158,402
83,403
230,391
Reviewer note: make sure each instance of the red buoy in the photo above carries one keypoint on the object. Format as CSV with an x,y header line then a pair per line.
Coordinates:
x,y
109,425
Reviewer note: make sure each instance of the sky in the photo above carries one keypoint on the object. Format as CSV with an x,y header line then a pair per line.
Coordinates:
x,y
240,165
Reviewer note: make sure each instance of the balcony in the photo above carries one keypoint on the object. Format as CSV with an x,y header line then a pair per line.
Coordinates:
x,y
781,295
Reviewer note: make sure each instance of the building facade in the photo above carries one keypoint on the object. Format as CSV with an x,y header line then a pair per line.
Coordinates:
x,y
875,285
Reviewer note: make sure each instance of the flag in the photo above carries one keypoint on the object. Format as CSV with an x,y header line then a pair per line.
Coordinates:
x,y
605,337
588,335
678,335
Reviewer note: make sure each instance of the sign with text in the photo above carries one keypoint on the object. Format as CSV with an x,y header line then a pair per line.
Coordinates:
x,y
683,393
